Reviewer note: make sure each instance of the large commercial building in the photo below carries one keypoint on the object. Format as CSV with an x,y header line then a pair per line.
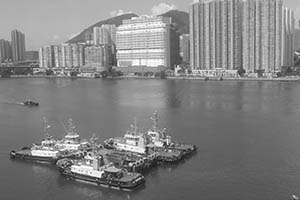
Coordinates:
x,y
18,46
215,35
235,34
5,50
268,32
147,41
62,56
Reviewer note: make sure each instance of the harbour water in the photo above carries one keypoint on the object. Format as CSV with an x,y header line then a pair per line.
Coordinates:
x,y
247,134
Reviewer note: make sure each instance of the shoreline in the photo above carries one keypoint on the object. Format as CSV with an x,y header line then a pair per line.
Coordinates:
x,y
282,79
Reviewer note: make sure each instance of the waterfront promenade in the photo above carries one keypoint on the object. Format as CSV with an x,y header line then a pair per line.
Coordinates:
x,y
287,78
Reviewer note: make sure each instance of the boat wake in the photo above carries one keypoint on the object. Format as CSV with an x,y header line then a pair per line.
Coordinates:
x,y
12,102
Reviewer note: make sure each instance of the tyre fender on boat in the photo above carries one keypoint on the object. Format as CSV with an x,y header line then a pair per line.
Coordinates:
x,y
12,154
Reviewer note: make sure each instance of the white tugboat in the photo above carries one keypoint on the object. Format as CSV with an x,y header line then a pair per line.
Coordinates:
x,y
168,150
93,169
72,142
44,152
133,141
159,138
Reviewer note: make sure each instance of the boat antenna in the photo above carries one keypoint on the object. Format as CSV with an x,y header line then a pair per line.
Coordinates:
x,y
154,118
71,126
64,127
46,127
134,126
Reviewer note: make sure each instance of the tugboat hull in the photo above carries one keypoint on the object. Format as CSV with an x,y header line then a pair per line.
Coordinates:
x,y
23,155
113,184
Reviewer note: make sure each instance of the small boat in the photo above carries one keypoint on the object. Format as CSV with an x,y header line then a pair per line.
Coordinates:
x,y
294,197
93,169
30,103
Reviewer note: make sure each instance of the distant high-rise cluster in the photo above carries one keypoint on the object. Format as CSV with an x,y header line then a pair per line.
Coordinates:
x,y
235,34
99,54
147,41
14,50
61,56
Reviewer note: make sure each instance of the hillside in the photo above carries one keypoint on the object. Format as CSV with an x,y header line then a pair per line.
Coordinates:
x,y
179,17
88,33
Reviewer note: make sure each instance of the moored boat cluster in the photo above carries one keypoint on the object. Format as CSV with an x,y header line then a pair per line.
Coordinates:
x,y
118,163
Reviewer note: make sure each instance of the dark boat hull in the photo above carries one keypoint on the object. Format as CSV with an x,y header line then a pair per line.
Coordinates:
x,y
24,156
114,184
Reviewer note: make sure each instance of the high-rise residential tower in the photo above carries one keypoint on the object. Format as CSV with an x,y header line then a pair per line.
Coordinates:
x,y
268,29
5,50
235,34
18,45
215,35
47,57
62,56
106,34
147,41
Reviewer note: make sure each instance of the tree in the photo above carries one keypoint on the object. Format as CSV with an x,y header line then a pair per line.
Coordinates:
x,y
241,72
49,72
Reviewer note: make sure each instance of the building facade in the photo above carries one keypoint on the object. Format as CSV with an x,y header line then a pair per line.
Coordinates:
x,y
268,29
106,34
62,56
5,50
98,56
215,35
297,39
147,41
185,48
31,55
235,34
46,57
18,46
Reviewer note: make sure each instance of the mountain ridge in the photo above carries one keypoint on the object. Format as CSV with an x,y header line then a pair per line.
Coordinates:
x,y
180,18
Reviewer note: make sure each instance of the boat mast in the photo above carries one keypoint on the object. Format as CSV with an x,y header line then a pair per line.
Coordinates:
x,y
93,141
72,127
154,118
46,127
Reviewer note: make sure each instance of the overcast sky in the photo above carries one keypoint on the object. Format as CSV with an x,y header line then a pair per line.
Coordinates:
x,y
55,21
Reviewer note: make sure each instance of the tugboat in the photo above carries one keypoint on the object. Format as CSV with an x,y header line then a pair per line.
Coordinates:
x,y
133,141
93,169
30,103
72,141
45,152
169,151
